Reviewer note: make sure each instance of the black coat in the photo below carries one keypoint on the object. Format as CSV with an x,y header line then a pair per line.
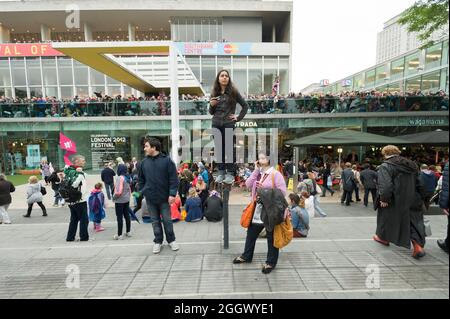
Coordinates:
x,y
369,178
158,178
107,175
274,206
443,198
348,180
400,187
213,209
6,188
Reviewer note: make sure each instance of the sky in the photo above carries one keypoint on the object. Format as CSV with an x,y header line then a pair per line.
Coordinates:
x,y
333,39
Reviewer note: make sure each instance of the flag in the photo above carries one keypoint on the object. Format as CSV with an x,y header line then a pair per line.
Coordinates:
x,y
67,145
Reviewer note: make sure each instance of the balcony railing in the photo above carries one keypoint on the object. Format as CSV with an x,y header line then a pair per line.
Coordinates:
x,y
282,106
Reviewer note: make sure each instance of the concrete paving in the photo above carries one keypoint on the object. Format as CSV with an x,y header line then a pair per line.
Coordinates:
x,y
336,261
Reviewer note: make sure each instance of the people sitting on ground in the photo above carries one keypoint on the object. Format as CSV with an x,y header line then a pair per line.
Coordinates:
x,y
213,207
299,215
193,207
202,189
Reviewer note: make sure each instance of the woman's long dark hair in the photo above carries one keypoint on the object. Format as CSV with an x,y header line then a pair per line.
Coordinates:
x,y
230,90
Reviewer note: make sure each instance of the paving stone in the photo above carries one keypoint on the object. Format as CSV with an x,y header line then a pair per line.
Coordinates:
x,y
250,281
216,282
182,282
187,262
217,262
318,279
333,259
112,285
147,284
419,278
305,260
127,264
284,280
157,263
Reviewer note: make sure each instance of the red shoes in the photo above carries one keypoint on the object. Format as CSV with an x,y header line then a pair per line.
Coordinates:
x,y
379,240
418,251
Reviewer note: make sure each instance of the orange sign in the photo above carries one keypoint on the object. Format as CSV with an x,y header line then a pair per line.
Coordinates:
x,y
28,49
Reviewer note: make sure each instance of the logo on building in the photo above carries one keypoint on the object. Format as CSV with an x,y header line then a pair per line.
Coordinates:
x,y
324,82
230,49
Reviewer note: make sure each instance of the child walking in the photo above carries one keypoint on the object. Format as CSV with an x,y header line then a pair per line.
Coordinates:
x,y
96,203
121,198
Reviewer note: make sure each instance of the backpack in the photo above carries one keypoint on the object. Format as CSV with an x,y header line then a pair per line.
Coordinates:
x,y
69,193
94,203
311,186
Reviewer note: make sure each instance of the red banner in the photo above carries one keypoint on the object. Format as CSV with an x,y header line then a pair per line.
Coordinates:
x,y
28,49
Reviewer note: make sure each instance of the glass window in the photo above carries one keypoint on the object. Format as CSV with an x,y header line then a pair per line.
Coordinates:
x,y
197,30
381,74
219,30
397,68
413,84
445,53
433,56
97,78
412,63
213,30
358,81
255,75
34,71
2,92
395,87
270,73
224,63
21,92
205,30
51,91
182,30
36,92
67,92
284,75
370,78
126,91
18,72
208,72
190,30
240,74
82,91
113,91
5,77
194,64
112,81
49,71
430,82
81,74
65,71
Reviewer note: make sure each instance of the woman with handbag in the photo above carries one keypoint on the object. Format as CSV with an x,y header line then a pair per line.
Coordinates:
x,y
264,176
35,195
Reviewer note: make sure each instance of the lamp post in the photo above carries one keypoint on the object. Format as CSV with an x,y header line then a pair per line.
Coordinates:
x,y
340,150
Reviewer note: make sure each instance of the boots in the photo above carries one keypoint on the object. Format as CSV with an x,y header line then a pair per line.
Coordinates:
x,y
418,251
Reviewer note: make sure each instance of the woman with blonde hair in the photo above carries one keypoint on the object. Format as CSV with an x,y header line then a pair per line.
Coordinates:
x,y
34,195
193,207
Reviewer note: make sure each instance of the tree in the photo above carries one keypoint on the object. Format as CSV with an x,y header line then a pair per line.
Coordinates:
x,y
425,17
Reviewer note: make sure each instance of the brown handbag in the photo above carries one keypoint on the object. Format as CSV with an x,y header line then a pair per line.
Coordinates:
x,y
247,213
283,233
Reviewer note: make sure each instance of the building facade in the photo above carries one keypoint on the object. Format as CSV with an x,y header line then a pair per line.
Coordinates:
x,y
395,40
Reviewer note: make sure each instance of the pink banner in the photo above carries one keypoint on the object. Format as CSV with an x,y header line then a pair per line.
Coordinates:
x,y
69,146
28,49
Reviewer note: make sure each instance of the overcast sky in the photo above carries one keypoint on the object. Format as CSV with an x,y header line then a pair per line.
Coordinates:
x,y
333,39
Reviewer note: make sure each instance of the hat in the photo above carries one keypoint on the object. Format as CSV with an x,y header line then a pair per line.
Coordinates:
x,y
424,166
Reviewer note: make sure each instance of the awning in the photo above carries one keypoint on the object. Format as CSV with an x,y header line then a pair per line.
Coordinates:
x,y
343,136
438,137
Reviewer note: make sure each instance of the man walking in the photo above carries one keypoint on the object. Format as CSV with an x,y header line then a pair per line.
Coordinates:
x,y
75,176
107,176
369,180
158,182
348,184
429,181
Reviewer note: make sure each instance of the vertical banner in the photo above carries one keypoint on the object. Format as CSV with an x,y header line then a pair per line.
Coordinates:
x,y
67,145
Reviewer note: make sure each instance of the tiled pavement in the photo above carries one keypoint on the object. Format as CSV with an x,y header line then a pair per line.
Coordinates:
x,y
331,263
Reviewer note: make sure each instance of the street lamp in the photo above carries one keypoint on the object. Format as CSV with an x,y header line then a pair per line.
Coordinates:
x,y
340,150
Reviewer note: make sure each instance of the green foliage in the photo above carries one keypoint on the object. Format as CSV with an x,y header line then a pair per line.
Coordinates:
x,y
425,17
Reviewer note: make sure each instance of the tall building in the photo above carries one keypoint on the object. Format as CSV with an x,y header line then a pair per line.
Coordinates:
x,y
250,38
395,40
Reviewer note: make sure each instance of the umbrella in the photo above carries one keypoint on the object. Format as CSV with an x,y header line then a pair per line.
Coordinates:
x,y
437,137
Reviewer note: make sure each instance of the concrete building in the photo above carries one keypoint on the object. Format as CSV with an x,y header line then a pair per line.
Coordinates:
x,y
395,40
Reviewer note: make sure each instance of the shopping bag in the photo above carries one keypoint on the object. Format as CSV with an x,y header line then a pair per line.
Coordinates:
x,y
283,233
247,214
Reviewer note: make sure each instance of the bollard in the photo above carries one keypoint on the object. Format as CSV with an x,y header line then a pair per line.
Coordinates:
x,y
225,198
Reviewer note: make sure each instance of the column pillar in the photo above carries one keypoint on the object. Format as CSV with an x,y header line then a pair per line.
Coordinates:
x,y
88,37
274,33
131,32
46,33
5,34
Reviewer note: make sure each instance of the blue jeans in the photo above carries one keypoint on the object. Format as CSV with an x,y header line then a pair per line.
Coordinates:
x,y
156,211
317,207
300,223
109,190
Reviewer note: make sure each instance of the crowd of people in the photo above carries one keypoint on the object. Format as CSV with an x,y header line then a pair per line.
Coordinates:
x,y
157,105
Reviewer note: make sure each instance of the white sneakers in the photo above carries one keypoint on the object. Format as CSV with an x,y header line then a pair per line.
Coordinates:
x,y
128,235
116,237
157,247
174,246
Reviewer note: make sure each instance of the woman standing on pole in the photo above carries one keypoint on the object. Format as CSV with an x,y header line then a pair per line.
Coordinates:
x,y
224,97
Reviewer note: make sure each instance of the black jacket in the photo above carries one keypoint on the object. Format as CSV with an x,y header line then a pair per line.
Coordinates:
x,y
400,187
6,188
213,209
158,178
369,178
443,198
348,180
222,111
108,175
274,206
